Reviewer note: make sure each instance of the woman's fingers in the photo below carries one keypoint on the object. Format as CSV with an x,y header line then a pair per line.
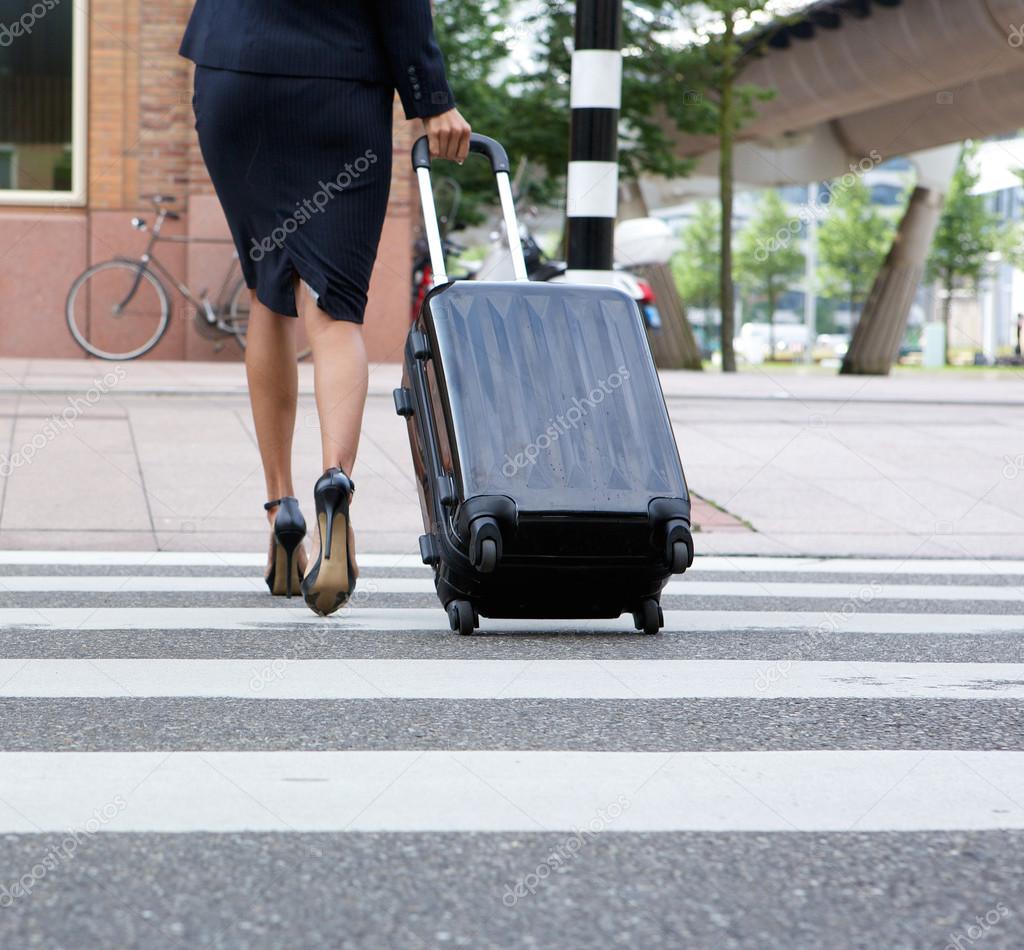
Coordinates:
x,y
462,151
444,143
448,135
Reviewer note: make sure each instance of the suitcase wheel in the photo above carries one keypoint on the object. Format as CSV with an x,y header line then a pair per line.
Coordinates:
x,y
484,544
650,617
462,617
680,557
488,556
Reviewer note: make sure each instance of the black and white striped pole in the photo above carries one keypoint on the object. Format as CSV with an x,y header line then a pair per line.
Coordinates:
x,y
593,182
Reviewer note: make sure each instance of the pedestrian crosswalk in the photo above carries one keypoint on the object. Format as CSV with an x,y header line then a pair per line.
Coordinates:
x,y
884,608
838,697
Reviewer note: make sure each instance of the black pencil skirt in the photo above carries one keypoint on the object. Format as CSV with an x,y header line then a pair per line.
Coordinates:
x,y
302,168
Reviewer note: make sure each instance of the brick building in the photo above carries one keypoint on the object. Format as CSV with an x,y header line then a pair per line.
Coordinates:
x,y
95,114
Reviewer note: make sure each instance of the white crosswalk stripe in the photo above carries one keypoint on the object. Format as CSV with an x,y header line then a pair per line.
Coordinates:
x,y
409,561
516,791
494,679
490,787
386,619
89,583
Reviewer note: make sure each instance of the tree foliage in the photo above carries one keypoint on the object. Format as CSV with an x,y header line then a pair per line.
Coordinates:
x,y
526,105
695,266
714,64
967,232
768,260
852,243
966,235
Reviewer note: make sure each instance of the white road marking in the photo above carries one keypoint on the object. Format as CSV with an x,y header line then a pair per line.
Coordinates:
x,y
284,678
183,559
811,622
510,791
857,593
411,560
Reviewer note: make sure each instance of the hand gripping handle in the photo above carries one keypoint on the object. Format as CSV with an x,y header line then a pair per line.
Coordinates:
x,y
495,153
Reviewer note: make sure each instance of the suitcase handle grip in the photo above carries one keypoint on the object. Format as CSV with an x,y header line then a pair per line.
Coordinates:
x,y
495,153
484,145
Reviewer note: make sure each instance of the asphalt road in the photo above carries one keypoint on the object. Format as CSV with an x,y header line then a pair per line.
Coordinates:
x,y
810,755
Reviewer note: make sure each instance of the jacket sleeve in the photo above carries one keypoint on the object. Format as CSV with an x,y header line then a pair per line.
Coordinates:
x,y
406,29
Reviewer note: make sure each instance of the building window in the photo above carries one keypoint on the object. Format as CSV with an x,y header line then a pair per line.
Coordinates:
x,y
42,102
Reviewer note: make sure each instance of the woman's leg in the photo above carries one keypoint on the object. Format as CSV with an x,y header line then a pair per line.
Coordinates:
x,y
271,369
340,376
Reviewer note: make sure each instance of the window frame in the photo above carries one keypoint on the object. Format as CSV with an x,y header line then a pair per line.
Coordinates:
x,y
77,197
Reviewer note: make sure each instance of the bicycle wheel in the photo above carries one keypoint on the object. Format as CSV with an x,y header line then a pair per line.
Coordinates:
x,y
238,318
117,310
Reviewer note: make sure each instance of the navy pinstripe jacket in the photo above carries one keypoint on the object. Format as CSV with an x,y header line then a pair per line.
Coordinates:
x,y
386,41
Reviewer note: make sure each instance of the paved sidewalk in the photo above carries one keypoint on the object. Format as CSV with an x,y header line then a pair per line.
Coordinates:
x,y
154,455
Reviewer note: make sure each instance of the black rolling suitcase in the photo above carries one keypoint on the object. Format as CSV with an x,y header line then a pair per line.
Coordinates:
x,y
548,474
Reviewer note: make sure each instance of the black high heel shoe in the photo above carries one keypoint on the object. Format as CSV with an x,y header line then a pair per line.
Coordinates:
x,y
331,580
285,575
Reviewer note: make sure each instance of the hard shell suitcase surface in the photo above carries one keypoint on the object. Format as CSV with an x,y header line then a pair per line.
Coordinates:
x,y
548,473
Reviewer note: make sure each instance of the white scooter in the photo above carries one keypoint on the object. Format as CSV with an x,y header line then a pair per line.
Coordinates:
x,y
638,242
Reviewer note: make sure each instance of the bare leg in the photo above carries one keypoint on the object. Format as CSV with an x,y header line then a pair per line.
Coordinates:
x,y
273,376
340,375
341,378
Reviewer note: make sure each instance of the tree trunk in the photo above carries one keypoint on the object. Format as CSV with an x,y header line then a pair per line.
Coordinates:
x,y
771,325
947,319
674,345
725,133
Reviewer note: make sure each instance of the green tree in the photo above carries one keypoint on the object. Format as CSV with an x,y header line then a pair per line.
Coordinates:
x,y
695,264
477,45
714,64
966,235
852,243
768,261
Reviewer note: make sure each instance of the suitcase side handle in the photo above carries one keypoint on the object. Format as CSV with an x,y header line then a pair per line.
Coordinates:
x,y
495,153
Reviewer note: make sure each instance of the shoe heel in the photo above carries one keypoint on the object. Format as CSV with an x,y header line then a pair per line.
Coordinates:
x,y
290,542
289,530
335,502
329,583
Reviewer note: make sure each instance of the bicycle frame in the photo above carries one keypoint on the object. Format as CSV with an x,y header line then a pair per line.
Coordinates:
x,y
147,261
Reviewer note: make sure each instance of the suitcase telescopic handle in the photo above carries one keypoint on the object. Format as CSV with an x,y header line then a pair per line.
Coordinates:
x,y
495,153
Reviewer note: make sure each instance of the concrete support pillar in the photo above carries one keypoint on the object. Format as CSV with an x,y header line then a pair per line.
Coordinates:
x,y
876,340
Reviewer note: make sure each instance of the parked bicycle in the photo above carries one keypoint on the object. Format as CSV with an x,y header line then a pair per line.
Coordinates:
x,y
121,308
